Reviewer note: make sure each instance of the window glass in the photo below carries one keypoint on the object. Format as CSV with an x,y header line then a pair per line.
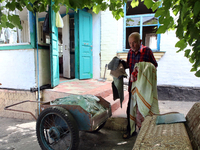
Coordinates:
x,y
43,35
133,21
15,35
149,20
141,20
150,37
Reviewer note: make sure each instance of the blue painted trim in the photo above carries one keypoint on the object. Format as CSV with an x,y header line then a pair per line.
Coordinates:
x,y
32,45
41,19
132,26
32,26
138,16
13,47
76,18
150,25
141,28
142,25
71,15
158,38
38,68
158,41
63,15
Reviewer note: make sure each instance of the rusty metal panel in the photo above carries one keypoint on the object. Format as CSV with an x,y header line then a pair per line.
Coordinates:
x,y
85,120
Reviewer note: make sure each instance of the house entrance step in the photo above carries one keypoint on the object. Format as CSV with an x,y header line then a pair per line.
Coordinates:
x,y
118,119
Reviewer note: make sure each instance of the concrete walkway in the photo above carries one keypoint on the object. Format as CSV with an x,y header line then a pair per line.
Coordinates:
x,y
20,134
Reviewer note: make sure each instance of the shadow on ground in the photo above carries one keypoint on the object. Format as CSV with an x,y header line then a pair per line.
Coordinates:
x,y
105,140
17,134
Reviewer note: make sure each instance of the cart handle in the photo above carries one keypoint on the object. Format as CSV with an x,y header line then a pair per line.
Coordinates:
x,y
8,107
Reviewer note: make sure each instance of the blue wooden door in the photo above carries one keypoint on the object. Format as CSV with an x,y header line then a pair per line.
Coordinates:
x,y
54,55
85,45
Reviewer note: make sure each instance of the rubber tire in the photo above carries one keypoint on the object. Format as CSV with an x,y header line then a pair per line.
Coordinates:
x,y
66,116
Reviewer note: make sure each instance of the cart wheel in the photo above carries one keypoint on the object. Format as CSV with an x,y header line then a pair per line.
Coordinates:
x,y
56,129
99,128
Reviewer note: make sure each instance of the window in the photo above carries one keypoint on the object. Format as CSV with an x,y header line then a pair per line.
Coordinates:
x,y
142,20
16,36
43,37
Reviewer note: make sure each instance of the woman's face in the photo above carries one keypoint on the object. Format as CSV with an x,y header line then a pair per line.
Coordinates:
x,y
134,43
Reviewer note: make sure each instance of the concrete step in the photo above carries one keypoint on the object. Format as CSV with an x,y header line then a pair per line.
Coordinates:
x,y
103,90
118,120
121,112
115,104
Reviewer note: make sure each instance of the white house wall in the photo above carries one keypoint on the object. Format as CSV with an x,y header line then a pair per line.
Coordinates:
x,y
111,39
96,21
173,68
17,69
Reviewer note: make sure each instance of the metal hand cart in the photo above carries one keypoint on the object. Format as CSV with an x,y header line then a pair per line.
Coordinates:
x,y
58,125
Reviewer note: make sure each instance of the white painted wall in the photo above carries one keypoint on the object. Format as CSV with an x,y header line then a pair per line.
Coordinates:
x,y
96,28
173,68
111,39
17,69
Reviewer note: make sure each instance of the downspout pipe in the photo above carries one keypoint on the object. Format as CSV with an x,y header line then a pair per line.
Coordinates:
x,y
38,67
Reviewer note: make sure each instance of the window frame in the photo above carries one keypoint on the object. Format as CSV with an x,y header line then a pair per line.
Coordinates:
x,y
141,28
32,35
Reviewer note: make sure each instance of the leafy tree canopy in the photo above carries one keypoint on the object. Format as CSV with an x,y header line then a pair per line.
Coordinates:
x,y
180,15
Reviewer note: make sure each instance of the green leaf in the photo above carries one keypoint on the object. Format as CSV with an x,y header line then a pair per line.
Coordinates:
x,y
187,52
11,6
196,8
32,1
178,50
193,69
197,74
191,60
9,25
156,5
67,9
104,6
97,9
176,9
19,7
179,31
29,7
167,4
159,12
148,3
197,64
161,29
168,22
3,20
181,44
42,8
134,3
15,20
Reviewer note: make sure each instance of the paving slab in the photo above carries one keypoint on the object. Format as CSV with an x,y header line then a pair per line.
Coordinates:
x,y
19,134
